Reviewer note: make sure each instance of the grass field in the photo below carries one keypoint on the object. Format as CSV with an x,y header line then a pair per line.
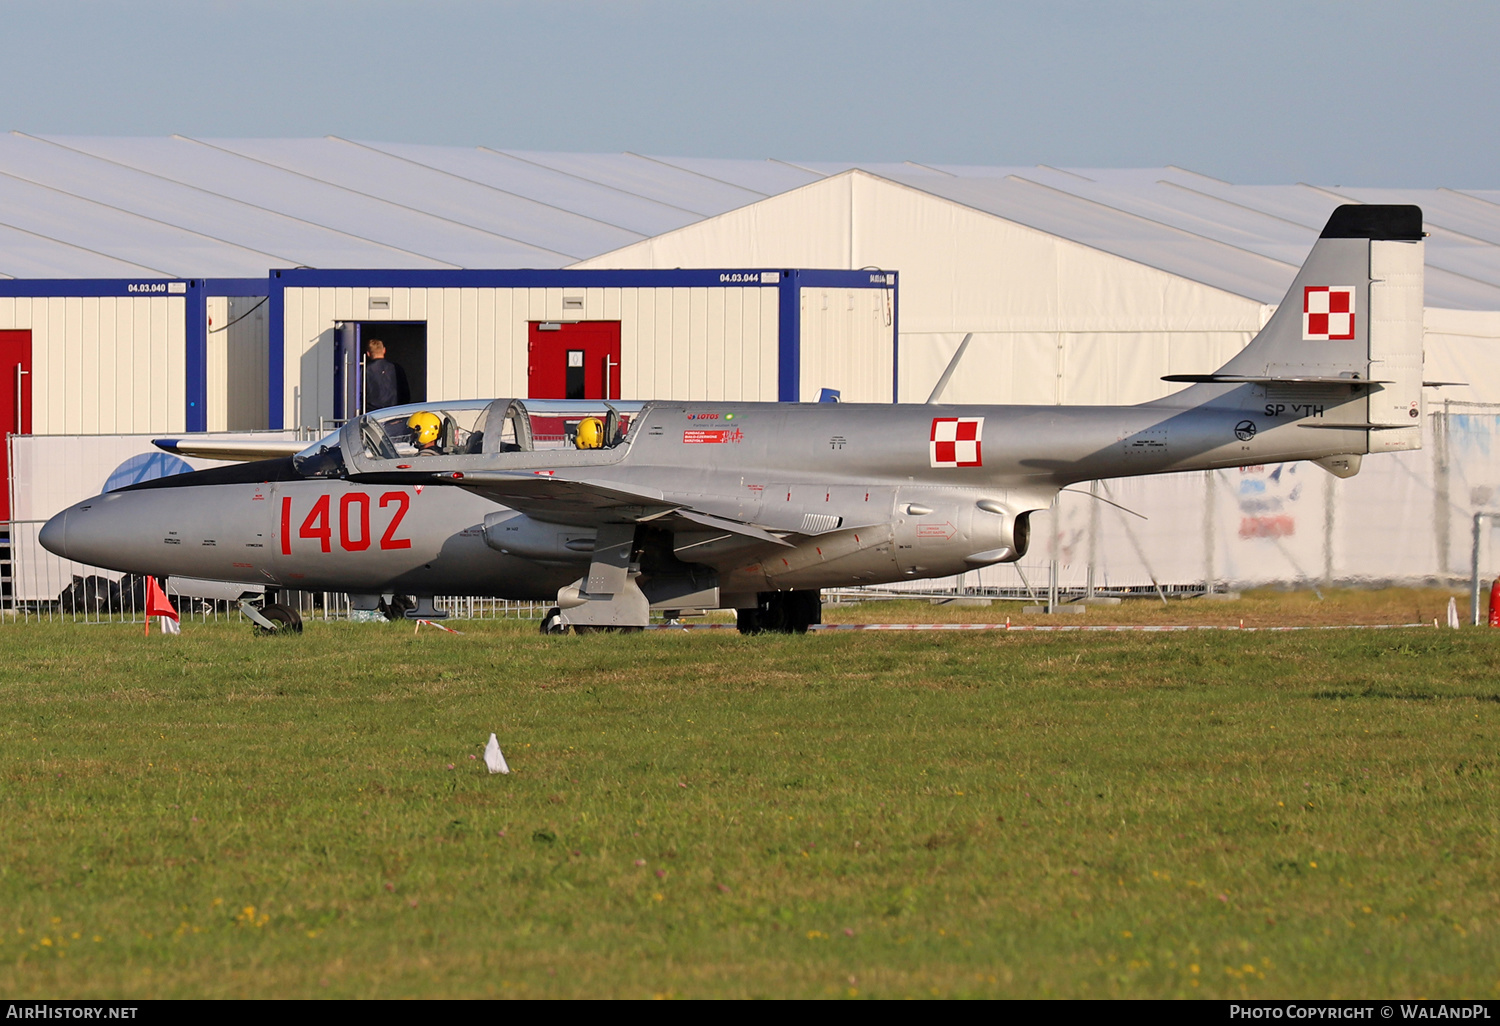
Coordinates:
x,y
700,814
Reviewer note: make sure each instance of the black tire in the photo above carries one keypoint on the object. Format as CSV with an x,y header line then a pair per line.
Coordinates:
x,y
783,612
132,594
804,608
552,622
748,621
70,600
395,609
286,619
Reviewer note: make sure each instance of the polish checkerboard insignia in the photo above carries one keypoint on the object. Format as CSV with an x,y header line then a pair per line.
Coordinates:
x,y
1327,312
955,441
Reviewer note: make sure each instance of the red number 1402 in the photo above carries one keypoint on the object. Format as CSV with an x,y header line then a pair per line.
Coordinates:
x,y
353,522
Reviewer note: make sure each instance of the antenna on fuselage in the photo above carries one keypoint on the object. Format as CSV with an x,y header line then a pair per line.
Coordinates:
x,y
937,389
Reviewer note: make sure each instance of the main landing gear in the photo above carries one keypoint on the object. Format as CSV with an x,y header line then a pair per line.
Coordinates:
x,y
781,612
553,623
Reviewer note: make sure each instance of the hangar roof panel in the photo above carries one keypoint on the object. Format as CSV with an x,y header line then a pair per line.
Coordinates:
x,y
906,169
430,239
1459,292
767,177
590,199
87,224
95,206
1169,204
287,239
643,176
415,187
1114,231
27,255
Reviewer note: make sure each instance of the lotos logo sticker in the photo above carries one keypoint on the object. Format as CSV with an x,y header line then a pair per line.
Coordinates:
x,y
955,442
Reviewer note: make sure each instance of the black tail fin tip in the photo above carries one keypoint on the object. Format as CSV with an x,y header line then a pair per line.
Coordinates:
x,y
1393,222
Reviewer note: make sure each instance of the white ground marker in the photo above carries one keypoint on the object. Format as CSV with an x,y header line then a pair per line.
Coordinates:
x,y
492,757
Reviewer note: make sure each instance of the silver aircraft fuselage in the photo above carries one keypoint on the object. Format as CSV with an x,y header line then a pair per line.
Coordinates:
x,y
760,496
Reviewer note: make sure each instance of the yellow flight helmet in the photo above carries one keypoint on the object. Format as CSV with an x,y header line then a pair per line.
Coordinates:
x,y
590,433
427,426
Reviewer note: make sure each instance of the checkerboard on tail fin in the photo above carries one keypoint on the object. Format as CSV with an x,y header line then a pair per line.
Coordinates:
x,y
1353,314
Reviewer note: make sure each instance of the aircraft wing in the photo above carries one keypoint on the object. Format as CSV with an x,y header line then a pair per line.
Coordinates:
x,y
248,448
562,499
590,503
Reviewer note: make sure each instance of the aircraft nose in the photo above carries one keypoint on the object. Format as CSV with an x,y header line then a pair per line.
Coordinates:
x,y
54,535
83,533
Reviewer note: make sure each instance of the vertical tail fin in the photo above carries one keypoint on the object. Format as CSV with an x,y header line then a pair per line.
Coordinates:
x,y
1354,313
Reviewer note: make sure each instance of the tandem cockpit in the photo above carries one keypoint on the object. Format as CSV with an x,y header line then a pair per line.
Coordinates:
x,y
502,434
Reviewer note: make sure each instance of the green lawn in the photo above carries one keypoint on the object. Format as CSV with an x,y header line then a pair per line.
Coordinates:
x,y
692,815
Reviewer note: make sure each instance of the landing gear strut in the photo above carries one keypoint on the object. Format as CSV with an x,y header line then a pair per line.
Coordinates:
x,y
781,612
286,619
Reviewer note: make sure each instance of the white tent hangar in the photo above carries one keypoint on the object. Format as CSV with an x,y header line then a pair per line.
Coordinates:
x,y
1081,286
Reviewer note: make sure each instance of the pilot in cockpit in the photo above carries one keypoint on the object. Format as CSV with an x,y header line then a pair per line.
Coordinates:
x,y
590,434
427,433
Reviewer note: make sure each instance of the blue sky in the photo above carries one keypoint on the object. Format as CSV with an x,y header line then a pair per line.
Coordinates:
x,y
1372,93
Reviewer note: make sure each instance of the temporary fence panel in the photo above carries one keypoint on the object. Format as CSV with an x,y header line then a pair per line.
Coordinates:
x,y
52,472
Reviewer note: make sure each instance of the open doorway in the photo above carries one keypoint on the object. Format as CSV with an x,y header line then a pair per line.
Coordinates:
x,y
405,347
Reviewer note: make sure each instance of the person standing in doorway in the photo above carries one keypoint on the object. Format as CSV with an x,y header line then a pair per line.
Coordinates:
x,y
383,379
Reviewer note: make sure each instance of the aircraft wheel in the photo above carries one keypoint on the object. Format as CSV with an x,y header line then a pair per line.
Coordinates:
x,y
748,621
552,622
784,612
286,619
803,609
395,609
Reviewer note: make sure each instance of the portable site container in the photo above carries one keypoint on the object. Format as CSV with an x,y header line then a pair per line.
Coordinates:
x,y
117,356
752,335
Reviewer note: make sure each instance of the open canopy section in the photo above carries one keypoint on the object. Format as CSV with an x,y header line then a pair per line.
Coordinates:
x,y
472,433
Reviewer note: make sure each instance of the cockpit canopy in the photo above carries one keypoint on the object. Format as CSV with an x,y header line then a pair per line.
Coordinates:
x,y
457,432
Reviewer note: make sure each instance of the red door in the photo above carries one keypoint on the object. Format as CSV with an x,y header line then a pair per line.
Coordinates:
x,y
573,360
15,400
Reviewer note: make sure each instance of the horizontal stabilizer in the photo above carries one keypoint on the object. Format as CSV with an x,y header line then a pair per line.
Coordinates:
x,y
1357,427
1262,379
248,448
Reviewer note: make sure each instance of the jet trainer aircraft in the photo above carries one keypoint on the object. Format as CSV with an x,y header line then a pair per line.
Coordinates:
x,y
612,509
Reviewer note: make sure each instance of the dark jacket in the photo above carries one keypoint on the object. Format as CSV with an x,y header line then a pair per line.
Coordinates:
x,y
382,384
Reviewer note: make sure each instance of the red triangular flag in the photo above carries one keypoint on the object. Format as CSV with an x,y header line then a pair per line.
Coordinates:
x,y
157,603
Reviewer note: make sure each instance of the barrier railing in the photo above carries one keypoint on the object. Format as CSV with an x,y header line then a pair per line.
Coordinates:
x,y
37,586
